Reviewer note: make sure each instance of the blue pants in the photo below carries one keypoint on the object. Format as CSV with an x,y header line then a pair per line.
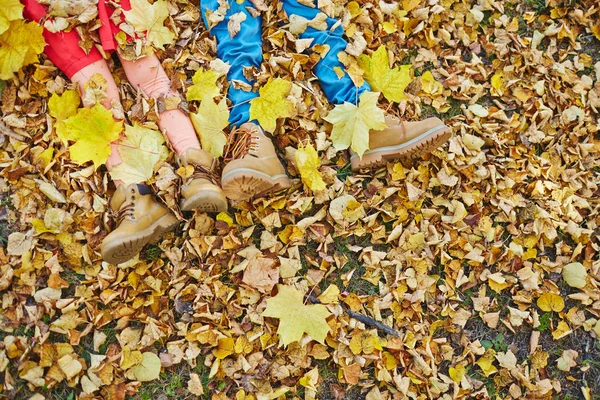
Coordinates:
x,y
245,50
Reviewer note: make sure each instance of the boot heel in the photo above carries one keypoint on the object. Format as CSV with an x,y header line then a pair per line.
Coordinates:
x,y
282,183
166,224
211,199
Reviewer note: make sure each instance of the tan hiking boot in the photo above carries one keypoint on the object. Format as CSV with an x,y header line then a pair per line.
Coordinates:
x,y
140,220
258,172
199,192
401,139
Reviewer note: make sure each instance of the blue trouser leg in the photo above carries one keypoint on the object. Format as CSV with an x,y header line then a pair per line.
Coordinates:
x,y
243,50
337,90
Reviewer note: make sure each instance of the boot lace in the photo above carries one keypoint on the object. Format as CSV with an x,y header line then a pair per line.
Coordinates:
x,y
126,212
201,172
240,143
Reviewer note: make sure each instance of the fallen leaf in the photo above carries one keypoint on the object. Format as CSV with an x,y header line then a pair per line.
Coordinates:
x,y
93,130
50,191
479,110
352,124
148,19
209,123
272,104
389,81
148,369
20,45
457,373
195,385
567,360
261,273
204,87
575,275
550,302
62,107
296,318
70,366
140,151
10,10
308,163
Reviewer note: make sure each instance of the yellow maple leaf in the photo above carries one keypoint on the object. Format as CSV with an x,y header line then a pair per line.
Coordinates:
x,y
308,163
92,130
20,45
10,10
295,317
140,151
352,124
272,104
62,107
149,19
550,302
205,86
390,81
209,122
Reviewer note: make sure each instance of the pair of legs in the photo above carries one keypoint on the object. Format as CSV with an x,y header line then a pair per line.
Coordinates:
x,y
148,76
245,50
261,171
140,218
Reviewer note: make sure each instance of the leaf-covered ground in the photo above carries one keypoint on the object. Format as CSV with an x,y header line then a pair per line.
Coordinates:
x,y
483,256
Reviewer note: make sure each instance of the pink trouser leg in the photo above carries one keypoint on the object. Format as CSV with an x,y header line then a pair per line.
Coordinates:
x,y
148,75
112,96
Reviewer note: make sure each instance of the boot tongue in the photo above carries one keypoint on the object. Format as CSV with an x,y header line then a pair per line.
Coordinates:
x,y
121,194
119,197
198,157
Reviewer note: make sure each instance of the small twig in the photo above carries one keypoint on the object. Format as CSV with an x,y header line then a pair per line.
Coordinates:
x,y
370,321
361,318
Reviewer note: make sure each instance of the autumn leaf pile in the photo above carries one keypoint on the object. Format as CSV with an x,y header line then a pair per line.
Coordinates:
x,y
483,256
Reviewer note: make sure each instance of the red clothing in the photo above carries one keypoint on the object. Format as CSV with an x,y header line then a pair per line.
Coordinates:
x,y
62,48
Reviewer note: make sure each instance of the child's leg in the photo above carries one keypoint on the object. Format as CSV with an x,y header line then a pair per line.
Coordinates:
x,y
148,75
243,50
337,90
83,76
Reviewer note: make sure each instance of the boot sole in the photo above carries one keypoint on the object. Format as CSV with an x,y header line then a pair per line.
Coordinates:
x,y
206,201
421,145
245,183
122,250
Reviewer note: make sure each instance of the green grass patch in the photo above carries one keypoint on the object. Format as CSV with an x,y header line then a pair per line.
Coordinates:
x,y
151,253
